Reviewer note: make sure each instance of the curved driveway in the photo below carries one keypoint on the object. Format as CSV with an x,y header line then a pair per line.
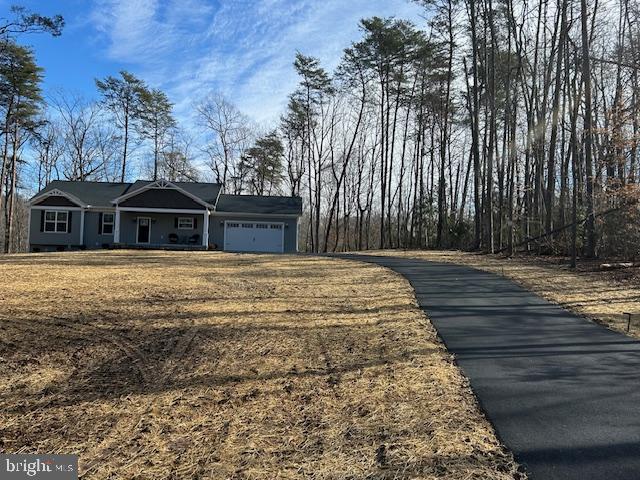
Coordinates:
x,y
562,392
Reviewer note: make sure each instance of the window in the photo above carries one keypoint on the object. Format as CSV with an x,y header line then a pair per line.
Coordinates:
x,y
247,225
185,223
262,225
56,221
276,226
107,223
233,225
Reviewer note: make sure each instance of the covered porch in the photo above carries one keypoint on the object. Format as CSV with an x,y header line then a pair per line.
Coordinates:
x,y
177,229
172,247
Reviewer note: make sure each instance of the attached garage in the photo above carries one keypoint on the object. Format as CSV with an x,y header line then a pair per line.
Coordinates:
x,y
161,214
243,236
249,223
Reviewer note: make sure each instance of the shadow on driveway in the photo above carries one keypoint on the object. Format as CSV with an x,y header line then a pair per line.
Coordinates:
x,y
562,392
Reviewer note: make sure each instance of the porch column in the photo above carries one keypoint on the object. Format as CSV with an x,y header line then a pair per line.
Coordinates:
x,y
82,227
205,229
116,227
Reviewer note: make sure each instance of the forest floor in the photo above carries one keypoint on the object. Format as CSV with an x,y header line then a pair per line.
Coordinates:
x,y
602,296
211,365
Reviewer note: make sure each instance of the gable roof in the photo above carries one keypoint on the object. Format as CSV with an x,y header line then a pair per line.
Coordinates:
x,y
260,204
204,193
95,194
207,192
102,194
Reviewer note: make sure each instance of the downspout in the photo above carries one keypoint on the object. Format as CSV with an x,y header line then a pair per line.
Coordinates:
x,y
82,210
116,233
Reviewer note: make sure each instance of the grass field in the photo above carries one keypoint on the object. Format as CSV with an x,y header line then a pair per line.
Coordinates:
x,y
602,296
161,365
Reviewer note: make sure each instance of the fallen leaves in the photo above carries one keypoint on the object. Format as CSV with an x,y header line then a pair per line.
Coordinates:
x,y
211,365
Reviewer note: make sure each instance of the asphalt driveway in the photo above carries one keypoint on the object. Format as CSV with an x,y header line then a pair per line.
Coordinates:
x,y
562,392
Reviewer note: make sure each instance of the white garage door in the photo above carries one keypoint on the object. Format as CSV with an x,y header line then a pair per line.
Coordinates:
x,y
253,236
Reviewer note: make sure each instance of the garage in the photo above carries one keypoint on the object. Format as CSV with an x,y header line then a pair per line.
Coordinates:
x,y
244,236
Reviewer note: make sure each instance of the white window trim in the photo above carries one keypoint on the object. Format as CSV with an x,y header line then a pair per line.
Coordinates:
x,y
189,219
112,223
55,222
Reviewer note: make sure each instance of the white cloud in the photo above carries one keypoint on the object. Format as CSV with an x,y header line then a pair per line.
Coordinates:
x,y
243,48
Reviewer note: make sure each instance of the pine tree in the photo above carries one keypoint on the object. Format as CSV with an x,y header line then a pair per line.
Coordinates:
x,y
264,164
156,119
121,96
20,99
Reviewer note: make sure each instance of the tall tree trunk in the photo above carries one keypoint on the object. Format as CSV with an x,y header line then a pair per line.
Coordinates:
x,y
123,176
12,180
492,132
475,128
551,165
590,248
383,162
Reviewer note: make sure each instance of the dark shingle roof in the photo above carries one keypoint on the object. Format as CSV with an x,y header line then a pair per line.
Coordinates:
x,y
97,194
258,204
101,194
207,192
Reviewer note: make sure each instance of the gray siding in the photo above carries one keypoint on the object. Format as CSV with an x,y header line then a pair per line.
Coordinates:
x,y
216,228
56,201
92,237
38,239
162,224
162,198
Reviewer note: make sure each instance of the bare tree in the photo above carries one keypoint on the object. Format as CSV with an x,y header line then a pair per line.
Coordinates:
x,y
230,134
89,148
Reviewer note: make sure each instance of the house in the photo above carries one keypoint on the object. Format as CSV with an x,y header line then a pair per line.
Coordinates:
x,y
160,214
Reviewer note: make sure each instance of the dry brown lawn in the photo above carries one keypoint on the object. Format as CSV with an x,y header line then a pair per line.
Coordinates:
x,y
158,365
602,296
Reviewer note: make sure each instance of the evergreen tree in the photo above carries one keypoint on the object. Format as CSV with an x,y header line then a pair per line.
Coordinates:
x,y
24,21
121,96
264,164
20,99
156,120
309,99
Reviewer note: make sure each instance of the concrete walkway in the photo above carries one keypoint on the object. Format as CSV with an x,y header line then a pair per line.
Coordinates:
x,y
562,392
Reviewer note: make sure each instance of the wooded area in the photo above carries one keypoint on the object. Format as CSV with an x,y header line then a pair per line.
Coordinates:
x,y
496,125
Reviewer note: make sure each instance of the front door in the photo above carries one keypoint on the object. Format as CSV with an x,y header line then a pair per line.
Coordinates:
x,y
144,230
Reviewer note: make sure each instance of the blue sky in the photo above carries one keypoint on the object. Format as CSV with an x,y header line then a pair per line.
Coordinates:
x,y
242,48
